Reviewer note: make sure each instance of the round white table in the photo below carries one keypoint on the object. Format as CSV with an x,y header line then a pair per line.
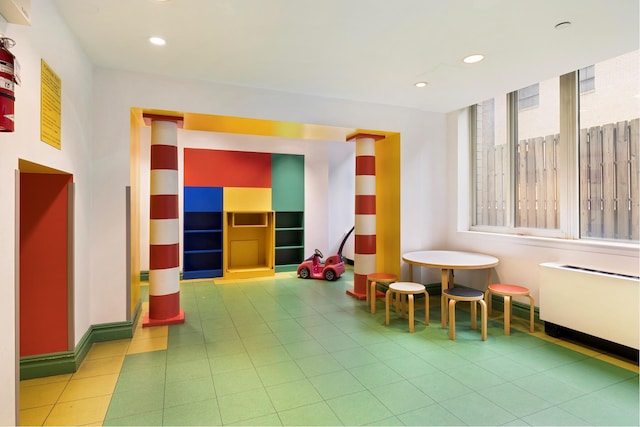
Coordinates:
x,y
448,261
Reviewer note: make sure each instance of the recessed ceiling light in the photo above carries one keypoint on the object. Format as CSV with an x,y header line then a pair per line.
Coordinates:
x,y
473,58
562,25
158,41
420,84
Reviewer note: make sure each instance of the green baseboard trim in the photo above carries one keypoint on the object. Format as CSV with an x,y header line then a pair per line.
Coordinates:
x,y
66,362
287,267
144,276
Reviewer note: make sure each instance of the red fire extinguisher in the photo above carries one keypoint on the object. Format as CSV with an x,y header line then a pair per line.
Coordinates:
x,y
8,79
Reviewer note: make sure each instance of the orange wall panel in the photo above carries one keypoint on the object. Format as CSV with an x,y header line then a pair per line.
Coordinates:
x,y
43,263
221,168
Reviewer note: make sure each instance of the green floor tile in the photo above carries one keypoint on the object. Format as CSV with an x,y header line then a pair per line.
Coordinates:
x,y
599,412
474,409
182,371
144,360
267,420
230,363
269,356
515,400
302,349
317,365
336,384
410,366
186,353
147,398
359,408
318,414
201,413
236,381
352,357
401,397
279,373
433,415
244,406
194,390
153,418
549,388
554,416
474,376
600,374
293,394
440,386
374,374
135,378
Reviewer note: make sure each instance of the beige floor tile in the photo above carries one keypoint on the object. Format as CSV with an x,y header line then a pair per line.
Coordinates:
x,y
96,367
108,349
79,412
40,395
84,388
146,345
34,416
63,378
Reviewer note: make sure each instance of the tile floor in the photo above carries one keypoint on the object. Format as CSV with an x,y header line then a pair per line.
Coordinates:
x,y
290,352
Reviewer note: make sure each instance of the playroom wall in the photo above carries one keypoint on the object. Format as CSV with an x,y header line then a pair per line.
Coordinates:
x,y
47,38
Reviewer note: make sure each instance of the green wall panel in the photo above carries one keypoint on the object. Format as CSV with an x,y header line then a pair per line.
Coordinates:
x,y
287,182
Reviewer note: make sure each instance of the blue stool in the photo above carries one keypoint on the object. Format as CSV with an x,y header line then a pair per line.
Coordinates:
x,y
453,295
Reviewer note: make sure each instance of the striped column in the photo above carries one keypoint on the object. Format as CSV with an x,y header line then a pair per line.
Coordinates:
x,y
164,231
365,212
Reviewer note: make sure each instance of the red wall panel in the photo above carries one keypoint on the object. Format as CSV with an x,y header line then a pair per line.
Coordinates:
x,y
220,168
43,263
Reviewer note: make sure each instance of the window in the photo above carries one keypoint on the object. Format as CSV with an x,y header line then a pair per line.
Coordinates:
x,y
528,97
608,150
569,172
587,79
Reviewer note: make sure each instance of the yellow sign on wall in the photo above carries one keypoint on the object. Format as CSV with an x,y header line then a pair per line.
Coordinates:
x,y
50,106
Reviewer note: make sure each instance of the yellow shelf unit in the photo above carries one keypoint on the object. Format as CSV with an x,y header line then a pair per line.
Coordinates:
x,y
250,244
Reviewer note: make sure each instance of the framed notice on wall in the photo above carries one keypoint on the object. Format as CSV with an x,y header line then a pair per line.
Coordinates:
x,y
50,106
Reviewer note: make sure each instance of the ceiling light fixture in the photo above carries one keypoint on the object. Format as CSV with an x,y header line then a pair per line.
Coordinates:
x,y
420,84
473,58
158,41
562,25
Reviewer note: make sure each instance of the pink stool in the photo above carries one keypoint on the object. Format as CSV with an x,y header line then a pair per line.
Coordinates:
x,y
508,291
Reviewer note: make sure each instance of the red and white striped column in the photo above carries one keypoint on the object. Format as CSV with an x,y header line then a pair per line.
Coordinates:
x,y
365,212
164,232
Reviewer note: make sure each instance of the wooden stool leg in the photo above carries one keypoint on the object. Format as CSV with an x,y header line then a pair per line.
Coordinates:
x,y
443,310
411,320
387,297
507,315
531,306
372,296
368,300
426,307
487,298
452,319
474,315
403,305
483,312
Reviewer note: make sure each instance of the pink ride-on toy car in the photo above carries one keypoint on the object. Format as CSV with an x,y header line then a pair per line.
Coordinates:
x,y
313,268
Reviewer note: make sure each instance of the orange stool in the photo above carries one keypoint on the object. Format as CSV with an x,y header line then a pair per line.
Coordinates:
x,y
372,280
508,291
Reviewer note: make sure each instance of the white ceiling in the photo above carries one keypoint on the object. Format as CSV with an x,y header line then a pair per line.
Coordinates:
x,y
366,50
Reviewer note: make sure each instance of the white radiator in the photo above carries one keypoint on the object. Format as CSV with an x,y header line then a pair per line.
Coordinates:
x,y
605,305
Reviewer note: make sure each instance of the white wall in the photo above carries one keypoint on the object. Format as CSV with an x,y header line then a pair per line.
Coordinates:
x,y
47,38
519,256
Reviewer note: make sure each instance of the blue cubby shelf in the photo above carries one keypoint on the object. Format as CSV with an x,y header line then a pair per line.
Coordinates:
x,y
203,236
